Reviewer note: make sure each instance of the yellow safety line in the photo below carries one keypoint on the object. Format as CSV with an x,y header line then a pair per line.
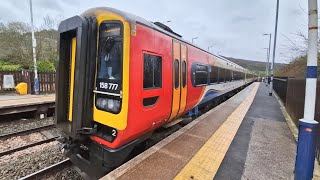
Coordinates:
x,y
206,162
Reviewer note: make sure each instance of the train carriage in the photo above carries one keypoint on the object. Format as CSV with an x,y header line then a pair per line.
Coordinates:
x,y
120,77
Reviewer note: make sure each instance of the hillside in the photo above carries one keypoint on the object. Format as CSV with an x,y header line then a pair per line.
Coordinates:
x,y
254,65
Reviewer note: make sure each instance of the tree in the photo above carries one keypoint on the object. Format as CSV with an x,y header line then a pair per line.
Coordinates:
x,y
16,44
14,41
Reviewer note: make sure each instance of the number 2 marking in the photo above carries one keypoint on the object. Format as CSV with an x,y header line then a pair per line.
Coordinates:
x,y
114,132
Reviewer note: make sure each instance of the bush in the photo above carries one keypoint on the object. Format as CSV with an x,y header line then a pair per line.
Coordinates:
x,y
44,66
7,66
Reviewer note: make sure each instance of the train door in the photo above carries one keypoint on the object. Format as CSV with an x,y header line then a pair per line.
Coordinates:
x,y
183,79
179,89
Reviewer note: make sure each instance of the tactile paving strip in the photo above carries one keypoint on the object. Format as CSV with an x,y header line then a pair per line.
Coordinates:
x,y
206,162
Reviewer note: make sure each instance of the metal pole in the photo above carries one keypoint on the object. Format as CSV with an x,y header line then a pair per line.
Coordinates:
x,y
269,52
34,45
308,126
274,49
194,38
267,64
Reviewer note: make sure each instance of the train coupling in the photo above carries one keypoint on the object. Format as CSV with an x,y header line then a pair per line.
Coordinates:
x,y
88,130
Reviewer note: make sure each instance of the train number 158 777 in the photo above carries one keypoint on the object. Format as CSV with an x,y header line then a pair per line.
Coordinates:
x,y
110,86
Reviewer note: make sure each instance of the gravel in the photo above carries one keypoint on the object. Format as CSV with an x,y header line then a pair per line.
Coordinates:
x,y
19,141
67,173
22,163
22,125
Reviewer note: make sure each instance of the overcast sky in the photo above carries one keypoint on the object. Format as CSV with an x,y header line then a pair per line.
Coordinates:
x,y
233,27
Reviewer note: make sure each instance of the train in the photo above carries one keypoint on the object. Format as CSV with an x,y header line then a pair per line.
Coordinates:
x,y
121,77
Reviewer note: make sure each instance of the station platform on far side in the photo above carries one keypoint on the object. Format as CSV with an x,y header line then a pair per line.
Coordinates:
x,y
10,104
246,137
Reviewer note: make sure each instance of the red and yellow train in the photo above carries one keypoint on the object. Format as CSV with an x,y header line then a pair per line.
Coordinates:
x,y
120,77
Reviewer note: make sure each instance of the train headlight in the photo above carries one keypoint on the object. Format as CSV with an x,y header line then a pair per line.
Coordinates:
x,y
110,105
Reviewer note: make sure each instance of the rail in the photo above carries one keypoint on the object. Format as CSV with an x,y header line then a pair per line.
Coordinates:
x,y
29,131
10,151
42,172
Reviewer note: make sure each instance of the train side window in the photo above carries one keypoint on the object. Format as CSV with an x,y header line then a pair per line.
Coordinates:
x,y
176,73
152,71
184,74
221,75
228,75
200,75
231,75
214,75
235,75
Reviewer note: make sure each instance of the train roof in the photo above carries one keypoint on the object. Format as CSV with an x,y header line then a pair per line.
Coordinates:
x,y
156,26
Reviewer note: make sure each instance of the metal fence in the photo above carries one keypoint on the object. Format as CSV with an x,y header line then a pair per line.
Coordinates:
x,y
46,81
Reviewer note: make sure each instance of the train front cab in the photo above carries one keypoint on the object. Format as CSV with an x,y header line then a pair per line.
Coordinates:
x,y
93,89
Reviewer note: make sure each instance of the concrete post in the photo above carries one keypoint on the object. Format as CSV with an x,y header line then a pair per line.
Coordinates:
x,y
306,147
34,45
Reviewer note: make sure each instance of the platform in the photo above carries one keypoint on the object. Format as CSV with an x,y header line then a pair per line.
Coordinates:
x,y
10,104
246,137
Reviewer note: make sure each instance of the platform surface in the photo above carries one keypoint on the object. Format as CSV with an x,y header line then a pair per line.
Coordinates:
x,y
264,147
7,101
246,137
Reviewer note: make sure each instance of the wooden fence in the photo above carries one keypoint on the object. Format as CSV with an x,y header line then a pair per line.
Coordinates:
x,y
46,81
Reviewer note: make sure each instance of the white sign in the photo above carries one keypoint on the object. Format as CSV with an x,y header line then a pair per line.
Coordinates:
x,y
8,81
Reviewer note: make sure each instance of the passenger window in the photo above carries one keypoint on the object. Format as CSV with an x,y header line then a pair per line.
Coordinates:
x,y
184,74
176,73
201,75
221,75
152,71
214,75
227,78
232,75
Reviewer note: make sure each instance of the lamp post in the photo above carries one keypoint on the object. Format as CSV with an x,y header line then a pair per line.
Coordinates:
x,y
268,34
34,45
166,21
306,146
209,47
267,63
193,39
274,48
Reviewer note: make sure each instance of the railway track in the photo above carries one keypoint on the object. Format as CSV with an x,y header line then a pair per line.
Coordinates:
x,y
48,170
28,131
10,151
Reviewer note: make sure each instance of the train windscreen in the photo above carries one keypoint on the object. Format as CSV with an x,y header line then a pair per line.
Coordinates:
x,y
109,70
